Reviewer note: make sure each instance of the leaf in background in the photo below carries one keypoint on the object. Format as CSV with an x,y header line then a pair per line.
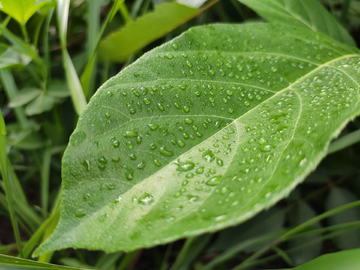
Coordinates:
x,y
264,223
58,89
342,260
20,10
11,58
303,13
202,133
301,213
119,45
40,104
338,197
25,96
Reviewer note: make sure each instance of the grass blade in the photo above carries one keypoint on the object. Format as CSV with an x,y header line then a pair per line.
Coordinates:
x,y
6,176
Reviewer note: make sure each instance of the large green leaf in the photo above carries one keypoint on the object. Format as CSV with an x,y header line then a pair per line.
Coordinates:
x,y
119,45
202,133
303,13
21,10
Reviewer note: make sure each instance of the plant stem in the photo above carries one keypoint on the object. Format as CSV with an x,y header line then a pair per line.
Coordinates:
x,y
25,33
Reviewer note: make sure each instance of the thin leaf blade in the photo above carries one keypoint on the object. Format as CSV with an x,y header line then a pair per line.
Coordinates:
x,y
202,134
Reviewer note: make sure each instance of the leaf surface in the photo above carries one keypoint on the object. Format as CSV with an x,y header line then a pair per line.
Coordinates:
x,y
303,13
202,133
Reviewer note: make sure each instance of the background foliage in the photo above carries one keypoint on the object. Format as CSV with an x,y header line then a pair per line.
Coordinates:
x,y
52,62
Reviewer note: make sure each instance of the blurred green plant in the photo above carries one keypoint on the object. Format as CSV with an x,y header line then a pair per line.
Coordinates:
x,y
55,54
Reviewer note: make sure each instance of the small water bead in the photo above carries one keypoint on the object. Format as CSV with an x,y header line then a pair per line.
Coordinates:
x,y
245,149
108,115
80,212
212,171
130,134
214,181
153,146
246,103
129,174
185,166
186,109
132,111
174,46
86,164
141,165
110,186
185,182
262,140
146,199
102,159
219,162
156,162
116,144
180,143
266,148
208,156
115,159
166,152
133,157
139,139
183,86
129,144
161,107
169,56
188,120
200,170
189,175
153,126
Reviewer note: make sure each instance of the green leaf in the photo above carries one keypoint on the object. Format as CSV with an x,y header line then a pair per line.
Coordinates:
x,y
25,96
344,260
20,10
14,263
58,89
119,45
338,197
303,13
203,133
40,104
11,58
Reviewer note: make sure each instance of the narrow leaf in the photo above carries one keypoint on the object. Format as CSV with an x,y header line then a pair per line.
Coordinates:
x,y
303,13
202,133
9,263
119,45
344,260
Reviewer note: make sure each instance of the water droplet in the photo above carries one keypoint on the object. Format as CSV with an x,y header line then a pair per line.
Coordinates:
x,y
200,170
115,159
146,199
116,144
266,148
189,175
166,152
214,181
185,166
102,159
130,134
110,186
153,126
133,157
246,103
219,162
129,174
262,140
141,165
174,46
86,164
108,115
208,155
77,138
80,213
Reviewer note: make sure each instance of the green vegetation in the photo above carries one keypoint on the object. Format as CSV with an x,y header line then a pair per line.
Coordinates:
x,y
206,137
